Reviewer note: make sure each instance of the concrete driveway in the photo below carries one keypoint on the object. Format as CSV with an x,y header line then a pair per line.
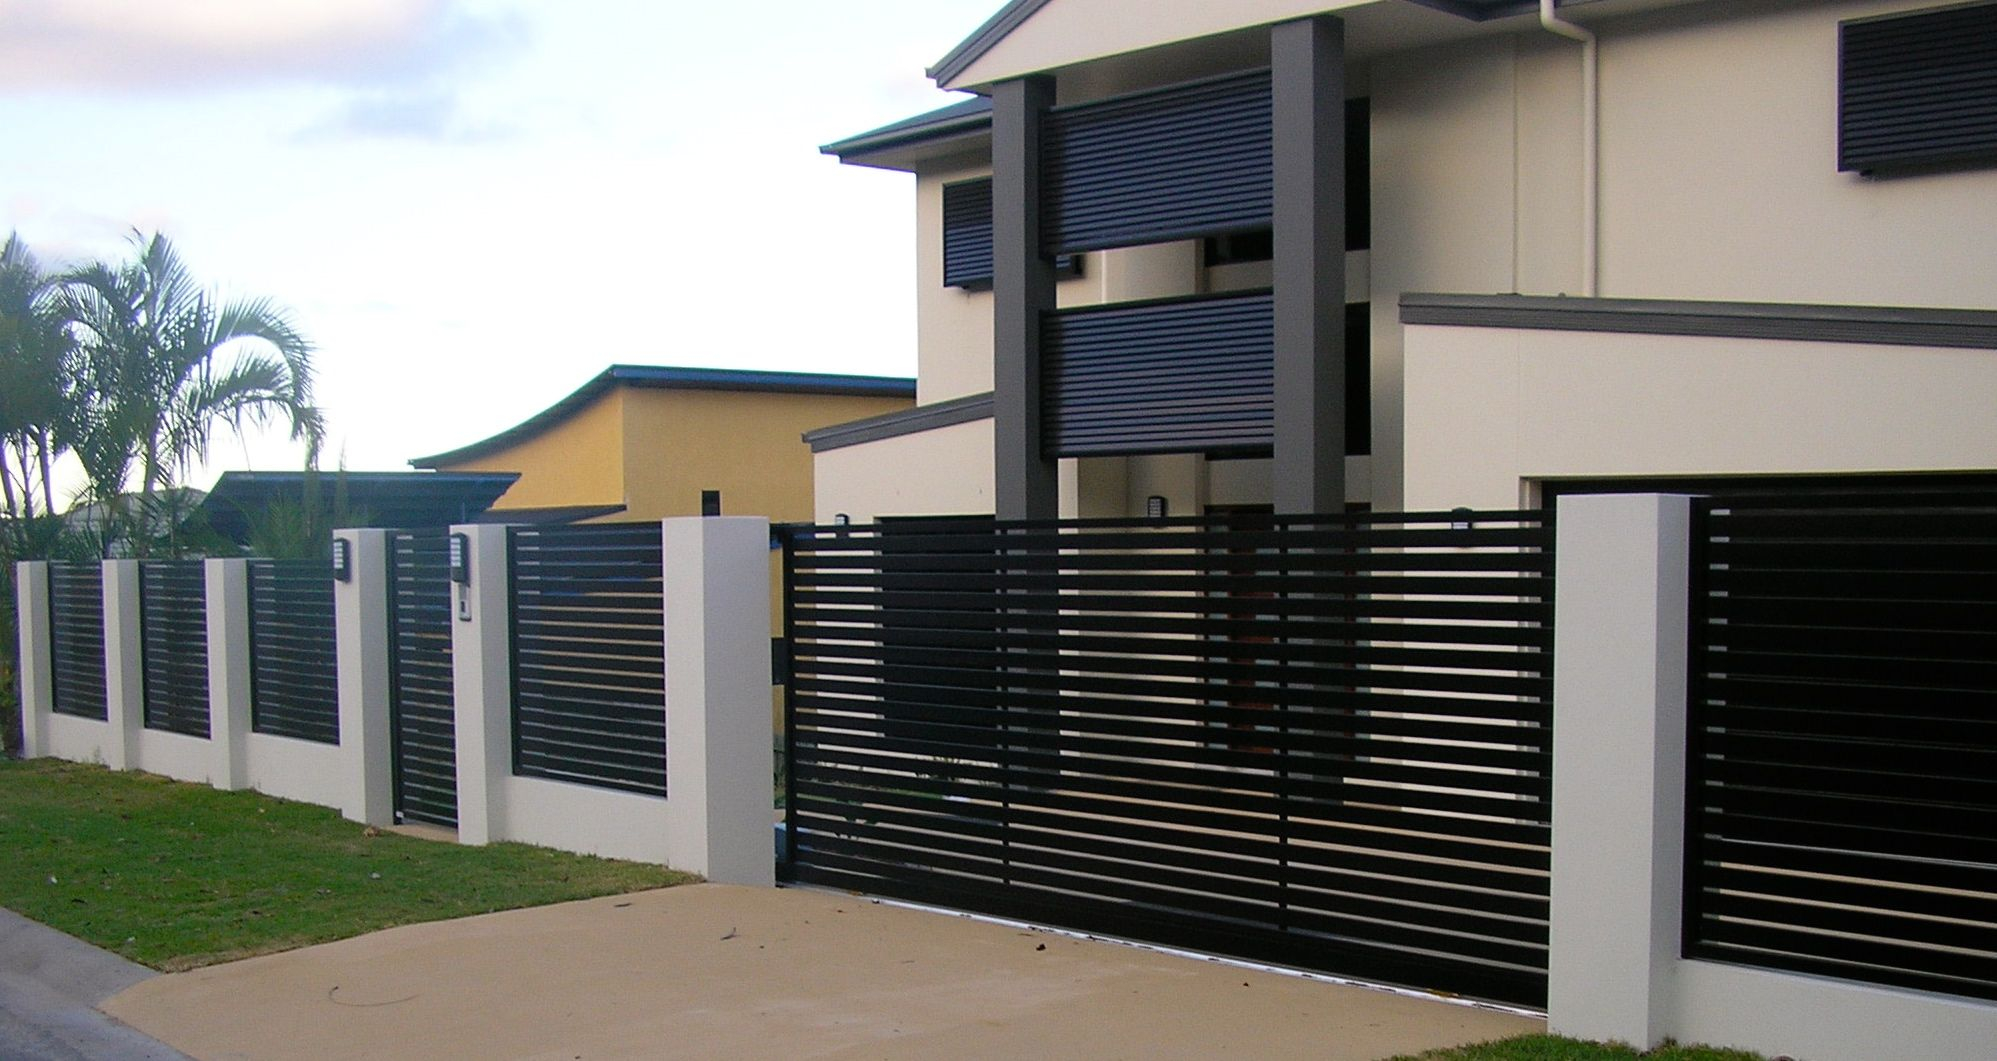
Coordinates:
x,y
717,971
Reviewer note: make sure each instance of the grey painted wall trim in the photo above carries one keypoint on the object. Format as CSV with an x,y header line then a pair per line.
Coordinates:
x,y
1875,325
902,422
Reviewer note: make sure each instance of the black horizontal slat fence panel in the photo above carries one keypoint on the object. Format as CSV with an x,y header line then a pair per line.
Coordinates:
x,y
1176,376
1173,163
294,663
1918,89
1323,741
76,618
425,721
173,611
1842,794
589,685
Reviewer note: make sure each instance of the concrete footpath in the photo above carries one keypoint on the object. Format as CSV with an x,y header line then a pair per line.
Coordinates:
x,y
717,971
50,984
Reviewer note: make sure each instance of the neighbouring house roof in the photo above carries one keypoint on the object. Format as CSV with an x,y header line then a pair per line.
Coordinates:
x,y
665,377
388,499
551,515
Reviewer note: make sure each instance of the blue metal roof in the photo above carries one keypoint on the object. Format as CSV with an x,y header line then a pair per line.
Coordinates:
x,y
971,115
668,377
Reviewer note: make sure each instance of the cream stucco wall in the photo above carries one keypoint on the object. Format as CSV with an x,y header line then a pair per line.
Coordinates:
x,y
1718,175
1490,410
1719,171
945,472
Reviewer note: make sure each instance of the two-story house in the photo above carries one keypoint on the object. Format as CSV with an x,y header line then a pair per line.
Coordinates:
x,y
1419,254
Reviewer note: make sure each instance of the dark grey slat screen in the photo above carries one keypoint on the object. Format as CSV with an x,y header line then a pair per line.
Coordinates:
x,y
967,236
294,677
589,655
1918,89
1173,163
173,610
76,613
1184,375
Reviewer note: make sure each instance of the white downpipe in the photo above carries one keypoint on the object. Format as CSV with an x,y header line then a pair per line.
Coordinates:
x,y
1591,136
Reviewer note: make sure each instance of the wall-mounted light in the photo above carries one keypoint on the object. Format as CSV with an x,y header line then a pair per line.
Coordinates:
x,y
841,519
710,502
1459,519
1156,507
343,562
461,559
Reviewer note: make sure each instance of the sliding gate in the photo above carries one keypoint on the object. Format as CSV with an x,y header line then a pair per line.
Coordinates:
x,y
1322,742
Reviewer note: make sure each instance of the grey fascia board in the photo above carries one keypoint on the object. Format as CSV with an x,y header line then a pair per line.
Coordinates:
x,y
1871,325
905,422
983,38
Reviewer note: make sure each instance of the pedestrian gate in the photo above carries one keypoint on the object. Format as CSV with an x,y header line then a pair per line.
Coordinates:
x,y
424,723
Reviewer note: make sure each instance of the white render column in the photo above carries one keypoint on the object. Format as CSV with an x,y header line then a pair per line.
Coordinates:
x,y
228,602
719,763
482,684
360,622
1619,716
124,665
37,661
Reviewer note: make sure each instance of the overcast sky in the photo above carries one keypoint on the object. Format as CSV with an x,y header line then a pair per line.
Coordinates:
x,y
475,205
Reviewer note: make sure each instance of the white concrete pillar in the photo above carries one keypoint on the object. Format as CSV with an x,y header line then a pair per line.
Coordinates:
x,y
1619,715
718,758
482,684
37,659
124,665
228,602
361,626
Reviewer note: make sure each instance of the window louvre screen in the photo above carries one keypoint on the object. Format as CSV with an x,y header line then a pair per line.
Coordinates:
x,y
967,236
1918,89
1192,160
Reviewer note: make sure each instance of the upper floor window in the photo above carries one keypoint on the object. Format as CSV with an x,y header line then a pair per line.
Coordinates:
x,y
967,237
1918,89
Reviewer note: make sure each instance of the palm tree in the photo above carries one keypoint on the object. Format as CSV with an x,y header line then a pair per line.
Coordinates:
x,y
36,358
165,362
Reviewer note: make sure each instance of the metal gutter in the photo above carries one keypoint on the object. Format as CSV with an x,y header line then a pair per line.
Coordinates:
x,y
1872,325
906,422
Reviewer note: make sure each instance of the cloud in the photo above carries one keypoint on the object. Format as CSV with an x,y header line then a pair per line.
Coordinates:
x,y
166,44
429,115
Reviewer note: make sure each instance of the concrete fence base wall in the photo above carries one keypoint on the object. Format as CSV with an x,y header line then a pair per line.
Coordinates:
x,y
1621,643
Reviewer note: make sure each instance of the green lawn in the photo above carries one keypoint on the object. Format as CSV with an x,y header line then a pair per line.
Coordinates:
x,y
177,876
1554,1048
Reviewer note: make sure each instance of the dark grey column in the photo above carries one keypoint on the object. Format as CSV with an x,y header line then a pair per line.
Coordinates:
x,y
1025,483
1308,65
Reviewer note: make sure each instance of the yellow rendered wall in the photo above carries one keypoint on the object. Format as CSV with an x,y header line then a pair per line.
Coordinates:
x,y
746,444
579,461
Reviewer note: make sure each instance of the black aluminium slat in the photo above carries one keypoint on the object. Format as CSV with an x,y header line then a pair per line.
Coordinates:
x,y
76,607
588,656
1843,725
294,677
174,650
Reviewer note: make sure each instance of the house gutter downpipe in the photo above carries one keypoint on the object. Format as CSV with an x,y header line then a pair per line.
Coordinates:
x,y
1591,135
